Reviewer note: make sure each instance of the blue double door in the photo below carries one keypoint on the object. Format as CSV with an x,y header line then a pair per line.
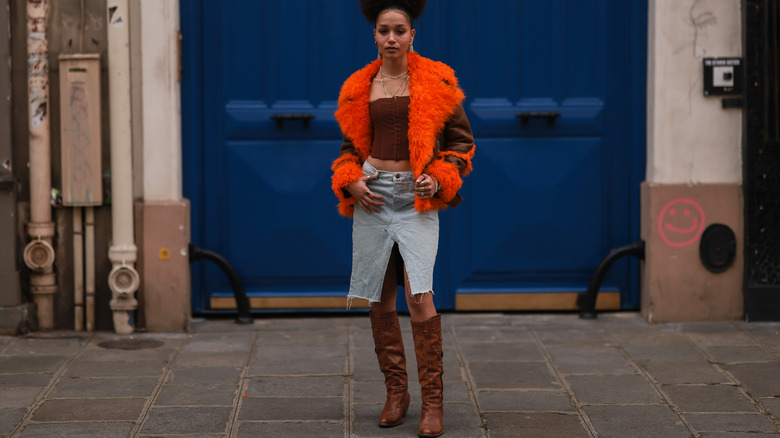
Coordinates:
x,y
555,95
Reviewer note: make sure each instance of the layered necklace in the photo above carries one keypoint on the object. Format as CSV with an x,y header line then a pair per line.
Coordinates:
x,y
400,89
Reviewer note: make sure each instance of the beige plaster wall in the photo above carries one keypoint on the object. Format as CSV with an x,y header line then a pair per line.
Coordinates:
x,y
690,138
694,159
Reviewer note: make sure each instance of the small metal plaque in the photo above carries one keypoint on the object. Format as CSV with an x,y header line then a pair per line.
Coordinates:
x,y
722,76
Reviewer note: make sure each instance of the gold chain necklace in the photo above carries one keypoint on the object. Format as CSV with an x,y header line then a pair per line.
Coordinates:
x,y
397,92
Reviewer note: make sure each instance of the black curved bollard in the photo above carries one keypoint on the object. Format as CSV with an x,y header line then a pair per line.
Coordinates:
x,y
242,302
636,249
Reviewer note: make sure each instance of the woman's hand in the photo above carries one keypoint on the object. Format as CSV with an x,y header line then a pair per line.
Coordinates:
x,y
426,186
362,194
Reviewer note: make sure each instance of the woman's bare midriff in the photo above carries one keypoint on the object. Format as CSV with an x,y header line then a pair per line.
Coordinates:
x,y
390,165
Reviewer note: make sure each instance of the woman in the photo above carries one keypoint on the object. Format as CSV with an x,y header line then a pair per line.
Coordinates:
x,y
407,143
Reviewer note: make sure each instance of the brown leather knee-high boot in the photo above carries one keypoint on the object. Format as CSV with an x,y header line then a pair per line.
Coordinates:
x,y
427,346
389,348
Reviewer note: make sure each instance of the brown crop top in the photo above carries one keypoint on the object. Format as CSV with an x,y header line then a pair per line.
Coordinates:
x,y
390,117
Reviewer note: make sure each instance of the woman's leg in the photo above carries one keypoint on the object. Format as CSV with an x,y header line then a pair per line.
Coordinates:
x,y
421,306
389,348
426,329
386,303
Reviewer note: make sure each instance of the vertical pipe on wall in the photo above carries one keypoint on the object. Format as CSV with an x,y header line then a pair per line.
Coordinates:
x,y
39,254
123,278
78,271
89,243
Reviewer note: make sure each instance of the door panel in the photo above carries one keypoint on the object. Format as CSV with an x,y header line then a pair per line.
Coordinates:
x,y
549,196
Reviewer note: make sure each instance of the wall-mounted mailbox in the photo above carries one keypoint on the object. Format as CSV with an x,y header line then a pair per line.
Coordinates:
x,y
80,129
722,76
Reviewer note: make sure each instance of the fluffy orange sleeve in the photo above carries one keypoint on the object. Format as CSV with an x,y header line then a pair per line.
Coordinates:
x,y
346,170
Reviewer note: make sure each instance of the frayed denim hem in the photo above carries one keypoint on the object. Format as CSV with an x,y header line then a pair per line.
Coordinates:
x,y
350,298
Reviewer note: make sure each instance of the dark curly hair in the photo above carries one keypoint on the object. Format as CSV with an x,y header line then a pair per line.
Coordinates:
x,y
372,8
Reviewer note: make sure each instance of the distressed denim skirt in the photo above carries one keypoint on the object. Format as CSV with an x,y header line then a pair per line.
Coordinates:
x,y
397,222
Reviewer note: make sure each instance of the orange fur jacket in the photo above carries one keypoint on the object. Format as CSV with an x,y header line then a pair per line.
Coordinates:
x,y
440,140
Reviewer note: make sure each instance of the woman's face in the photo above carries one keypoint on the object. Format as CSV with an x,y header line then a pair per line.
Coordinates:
x,y
393,34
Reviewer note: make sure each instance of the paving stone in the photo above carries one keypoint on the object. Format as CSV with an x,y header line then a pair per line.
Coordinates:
x,y
508,375
31,364
568,337
104,387
636,422
716,333
524,351
187,420
220,343
302,363
731,422
203,325
285,367
291,430
370,374
772,405
524,401
291,408
682,371
617,389
189,359
590,360
20,380
302,352
760,379
106,409
724,338
740,354
476,319
314,323
59,346
193,395
454,391
99,354
493,334
738,435
328,337
204,376
325,386
709,398
78,430
533,425
651,335
307,361
115,369
18,397
662,351
9,418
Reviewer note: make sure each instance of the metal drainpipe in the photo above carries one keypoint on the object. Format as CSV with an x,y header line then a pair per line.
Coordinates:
x,y
123,278
39,254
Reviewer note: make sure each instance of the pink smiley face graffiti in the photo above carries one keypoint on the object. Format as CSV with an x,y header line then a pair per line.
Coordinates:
x,y
681,222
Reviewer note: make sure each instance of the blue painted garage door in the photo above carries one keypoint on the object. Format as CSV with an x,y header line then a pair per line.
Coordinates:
x,y
555,95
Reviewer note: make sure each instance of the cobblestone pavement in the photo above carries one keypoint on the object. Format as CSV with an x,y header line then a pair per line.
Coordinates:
x,y
506,375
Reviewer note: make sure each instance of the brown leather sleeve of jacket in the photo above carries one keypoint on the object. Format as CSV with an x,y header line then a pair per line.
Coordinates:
x,y
454,147
456,137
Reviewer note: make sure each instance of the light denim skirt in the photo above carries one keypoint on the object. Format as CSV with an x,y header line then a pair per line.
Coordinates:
x,y
374,234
